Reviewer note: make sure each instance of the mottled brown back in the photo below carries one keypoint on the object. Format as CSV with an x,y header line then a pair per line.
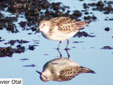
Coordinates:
x,y
68,25
71,72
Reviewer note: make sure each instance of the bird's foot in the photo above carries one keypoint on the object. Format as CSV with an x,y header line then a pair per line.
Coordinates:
x,y
67,49
57,48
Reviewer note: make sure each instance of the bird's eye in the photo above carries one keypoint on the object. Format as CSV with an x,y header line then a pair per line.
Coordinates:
x,y
43,24
46,77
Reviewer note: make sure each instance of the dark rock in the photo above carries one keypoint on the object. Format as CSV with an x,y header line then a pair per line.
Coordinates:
x,y
19,49
90,17
12,42
31,47
6,51
105,7
77,14
23,24
107,47
85,6
107,29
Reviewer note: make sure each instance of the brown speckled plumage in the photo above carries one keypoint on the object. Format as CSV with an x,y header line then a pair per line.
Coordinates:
x,y
67,25
70,72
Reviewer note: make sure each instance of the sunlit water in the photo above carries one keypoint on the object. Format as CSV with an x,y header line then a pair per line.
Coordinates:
x,y
88,53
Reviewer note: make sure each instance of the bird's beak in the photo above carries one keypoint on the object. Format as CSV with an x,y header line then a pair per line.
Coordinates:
x,y
37,31
39,72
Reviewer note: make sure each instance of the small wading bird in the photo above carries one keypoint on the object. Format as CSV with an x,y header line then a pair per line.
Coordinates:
x,y
60,28
62,69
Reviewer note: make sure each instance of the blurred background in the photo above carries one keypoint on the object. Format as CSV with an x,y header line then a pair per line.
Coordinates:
x,y
22,52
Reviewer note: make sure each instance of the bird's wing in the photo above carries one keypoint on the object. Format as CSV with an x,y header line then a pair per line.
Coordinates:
x,y
69,73
68,25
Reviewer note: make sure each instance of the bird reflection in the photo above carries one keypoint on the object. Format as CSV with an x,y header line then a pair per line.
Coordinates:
x,y
62,69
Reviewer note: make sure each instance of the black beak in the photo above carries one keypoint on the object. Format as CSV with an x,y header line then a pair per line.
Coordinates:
x,y
37,31
39,72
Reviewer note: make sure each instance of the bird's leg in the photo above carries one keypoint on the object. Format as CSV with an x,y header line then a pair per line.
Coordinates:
x,y
67,53
59,53
59,45
67,45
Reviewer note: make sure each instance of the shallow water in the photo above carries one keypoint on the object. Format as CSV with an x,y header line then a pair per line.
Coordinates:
x,y
88,52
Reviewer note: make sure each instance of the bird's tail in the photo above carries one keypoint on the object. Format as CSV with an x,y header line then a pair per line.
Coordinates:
x,y
86,70
82,24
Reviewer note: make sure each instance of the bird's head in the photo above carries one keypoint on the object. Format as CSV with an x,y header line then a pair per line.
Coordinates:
x,y
43,26
44,77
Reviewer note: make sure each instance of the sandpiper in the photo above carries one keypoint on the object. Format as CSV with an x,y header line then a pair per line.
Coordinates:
x,y
60,28
62,69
